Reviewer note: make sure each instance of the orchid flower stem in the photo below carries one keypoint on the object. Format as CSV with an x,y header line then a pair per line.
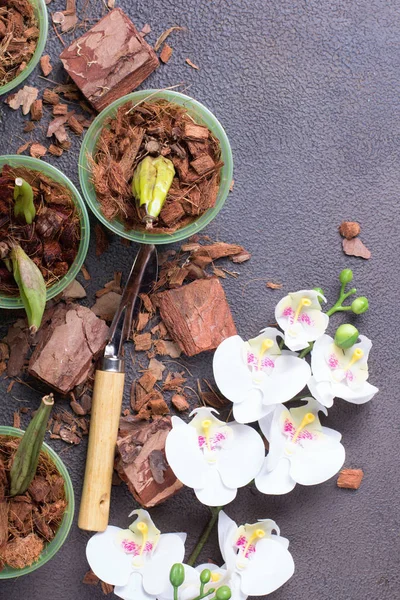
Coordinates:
x,y
304,352
176,590
338,306
202,595
215,510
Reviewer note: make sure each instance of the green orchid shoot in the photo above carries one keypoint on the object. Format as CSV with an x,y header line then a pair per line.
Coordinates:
x,y
24,207
177,578
358,306
32,287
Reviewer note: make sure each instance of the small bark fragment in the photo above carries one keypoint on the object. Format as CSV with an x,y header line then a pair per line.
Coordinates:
x,y
50,97
197,133
102,239
37,110
273,286
55,150
142,342
25,97
350,478
166,53
45,65
192,64
106,588
355,247
147,381
60,110
90,578
37,150
179,402
106,306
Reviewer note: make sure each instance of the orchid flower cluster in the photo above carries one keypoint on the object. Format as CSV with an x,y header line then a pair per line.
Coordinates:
x,y
144,564
215,458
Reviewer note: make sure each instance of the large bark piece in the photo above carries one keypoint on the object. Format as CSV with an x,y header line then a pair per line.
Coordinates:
x,y
197,315
110,60
141,460
69,343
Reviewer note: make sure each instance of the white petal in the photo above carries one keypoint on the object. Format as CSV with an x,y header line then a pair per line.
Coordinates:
x,y
323,391
296,342
320,322
359,396
226,534
133,590
319,366
170,550
231,374
272,428
252,408
107,559
241,458
317,462
275,482
215,493
185,457
289,377
269,568
281,540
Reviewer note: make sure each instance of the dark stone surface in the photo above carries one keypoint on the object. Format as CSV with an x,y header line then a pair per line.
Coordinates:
x,y
309,94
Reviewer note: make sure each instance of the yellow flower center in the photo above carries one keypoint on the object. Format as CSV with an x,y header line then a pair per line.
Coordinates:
x,y
307,420
265,346
304,302
357,355
206,425
215,576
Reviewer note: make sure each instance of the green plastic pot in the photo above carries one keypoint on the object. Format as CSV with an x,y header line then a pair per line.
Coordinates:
x,y
52,547
202,116
41,14
38,165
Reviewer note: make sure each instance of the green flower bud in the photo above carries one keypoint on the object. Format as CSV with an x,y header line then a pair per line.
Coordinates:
x,y
205,576
223,593
346,336
177,575
346,276
360,305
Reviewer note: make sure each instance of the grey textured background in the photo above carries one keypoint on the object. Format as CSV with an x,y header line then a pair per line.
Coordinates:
x,y
308,92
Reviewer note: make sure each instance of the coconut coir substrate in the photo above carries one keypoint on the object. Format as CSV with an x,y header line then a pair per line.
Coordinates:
x,y
155,128
52,240
29,521
19,33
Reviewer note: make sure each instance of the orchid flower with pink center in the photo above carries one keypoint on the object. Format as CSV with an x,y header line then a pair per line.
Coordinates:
x,y
340,373
212,456
137,561
301,450
300,316
257,375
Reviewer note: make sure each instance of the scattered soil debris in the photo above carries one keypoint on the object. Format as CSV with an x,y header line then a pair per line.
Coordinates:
x,y
166,53
191,64
350,478
166,34
273,286
45,65
349,229
19,35
191,147
25,97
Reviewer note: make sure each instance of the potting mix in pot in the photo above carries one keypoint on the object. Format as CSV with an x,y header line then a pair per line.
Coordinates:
x,y
32,494
156,154
19,32
39,236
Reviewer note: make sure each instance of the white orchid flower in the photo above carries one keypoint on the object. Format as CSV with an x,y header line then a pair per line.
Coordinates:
x,y
256,375
257,560
340,373
300,449
137,561
212,456
300,316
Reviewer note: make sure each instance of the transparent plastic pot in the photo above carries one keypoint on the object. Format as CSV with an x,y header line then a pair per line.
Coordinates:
x,y
38,165
41,14
52,547
202,116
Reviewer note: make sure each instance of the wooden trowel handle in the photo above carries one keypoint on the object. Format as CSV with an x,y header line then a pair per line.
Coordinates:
x,y
104,420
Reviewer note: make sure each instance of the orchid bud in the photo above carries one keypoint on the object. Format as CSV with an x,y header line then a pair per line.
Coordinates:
x,y
360,305
346,336
23,196
223,593
346,276
177,575
205,576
